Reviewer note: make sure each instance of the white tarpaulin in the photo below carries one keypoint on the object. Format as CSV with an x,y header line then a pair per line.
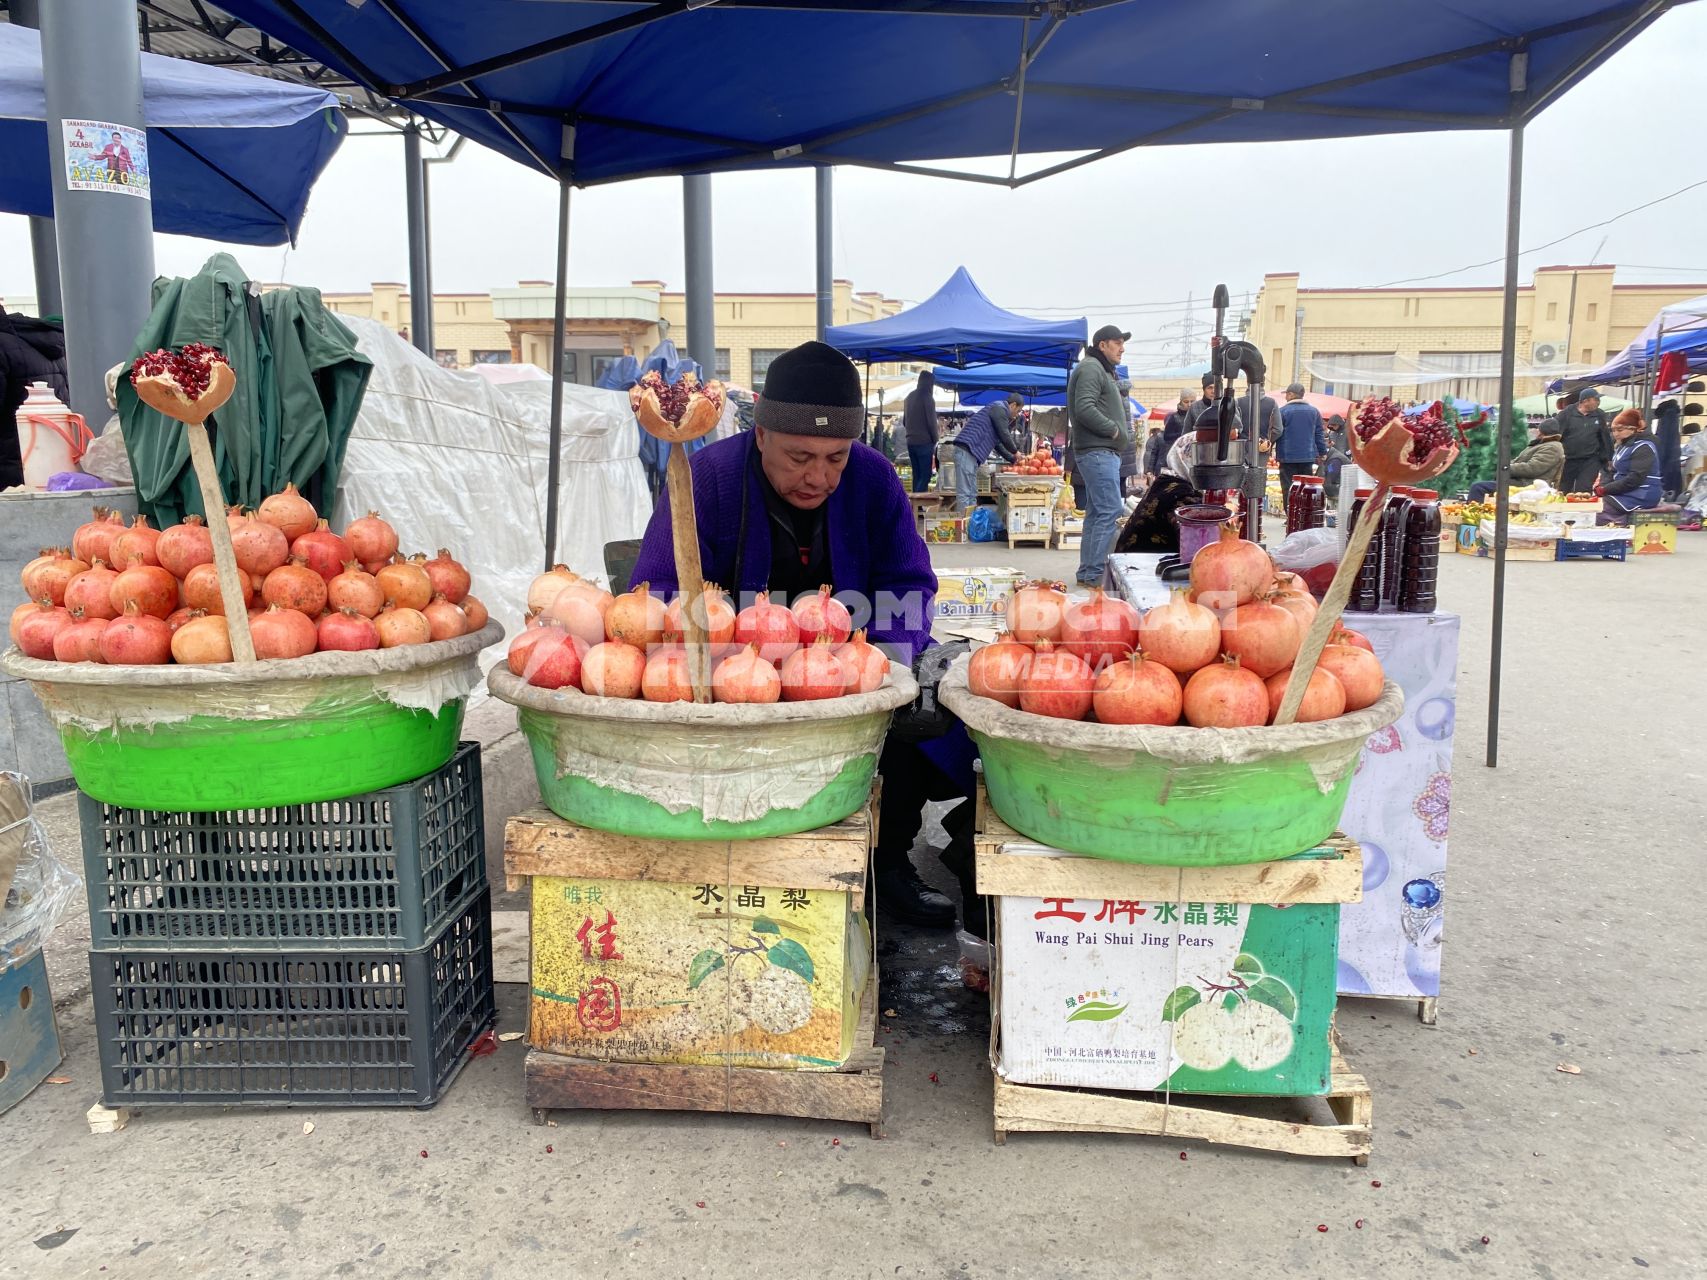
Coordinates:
x,y
454,461
1388,370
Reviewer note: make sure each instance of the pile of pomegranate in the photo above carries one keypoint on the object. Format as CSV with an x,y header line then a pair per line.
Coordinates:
x,y
1040,462
1218,655
133,595
580,636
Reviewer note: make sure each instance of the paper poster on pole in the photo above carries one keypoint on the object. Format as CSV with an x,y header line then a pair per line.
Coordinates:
x,y
100,156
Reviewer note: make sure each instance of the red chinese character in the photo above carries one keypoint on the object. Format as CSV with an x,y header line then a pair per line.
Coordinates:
x,y
605,933
600,1006
1112,911
1059,911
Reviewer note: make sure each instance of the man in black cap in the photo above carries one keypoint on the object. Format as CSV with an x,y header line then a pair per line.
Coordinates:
x,y
796,503
1587,436
1099,428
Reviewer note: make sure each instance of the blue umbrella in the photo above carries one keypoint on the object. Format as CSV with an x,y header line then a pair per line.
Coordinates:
x,y
231,155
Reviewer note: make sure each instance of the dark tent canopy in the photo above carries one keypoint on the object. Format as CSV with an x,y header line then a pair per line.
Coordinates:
x,y
957,325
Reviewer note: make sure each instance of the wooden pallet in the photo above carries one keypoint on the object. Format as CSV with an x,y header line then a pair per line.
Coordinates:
x,y
1220,1119
852,1091
1040,538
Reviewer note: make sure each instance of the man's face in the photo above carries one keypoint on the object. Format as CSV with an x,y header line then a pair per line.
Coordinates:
x,y
804,470
1209,391
1184,404
1113,348
1588,404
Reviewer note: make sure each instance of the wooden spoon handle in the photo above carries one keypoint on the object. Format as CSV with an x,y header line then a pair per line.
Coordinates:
x,y
689,580
224,557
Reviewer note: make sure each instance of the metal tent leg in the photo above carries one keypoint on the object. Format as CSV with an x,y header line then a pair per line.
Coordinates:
x,y
826,277
420,260
554,463
1502,471
701,341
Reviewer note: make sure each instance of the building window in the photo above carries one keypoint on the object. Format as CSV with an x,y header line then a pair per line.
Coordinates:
x,y
1280,313
446,359
1552,310
602,362
1592,308
1345,373
762,358
720,365
462,308
571,366
1477,375
490,357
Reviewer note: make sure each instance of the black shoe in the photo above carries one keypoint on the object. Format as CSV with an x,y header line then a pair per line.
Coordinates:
x,y
904,896
975,907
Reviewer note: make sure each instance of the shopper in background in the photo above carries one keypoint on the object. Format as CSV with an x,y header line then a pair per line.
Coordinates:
x,y
1129,468
31,350
1198,406
1339,453
1633,479
1542,459
918,417
1668,435
1302,441
1588,442
1155,454
1174,426
987,431
1099,429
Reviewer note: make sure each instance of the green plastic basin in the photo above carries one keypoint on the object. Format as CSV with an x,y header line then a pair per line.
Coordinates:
x,y
1167,796
677,771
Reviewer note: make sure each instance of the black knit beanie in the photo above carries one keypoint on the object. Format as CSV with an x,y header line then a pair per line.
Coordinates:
x,y
812,390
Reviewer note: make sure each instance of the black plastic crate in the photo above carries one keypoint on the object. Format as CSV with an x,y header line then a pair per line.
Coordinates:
x,y
381,870
321,1028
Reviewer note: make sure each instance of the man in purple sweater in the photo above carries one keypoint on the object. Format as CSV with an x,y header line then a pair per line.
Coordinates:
x,y
799,502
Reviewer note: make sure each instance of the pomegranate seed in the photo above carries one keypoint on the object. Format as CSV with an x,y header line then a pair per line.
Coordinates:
x,y
934,1080
423,1153
835,1142
699,1204
1358,1224
548,1148
1485,1240
1321,1226
1182,1155
1375,1182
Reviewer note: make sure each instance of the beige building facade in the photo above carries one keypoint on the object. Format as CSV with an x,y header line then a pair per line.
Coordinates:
x,y
513,326
1358,342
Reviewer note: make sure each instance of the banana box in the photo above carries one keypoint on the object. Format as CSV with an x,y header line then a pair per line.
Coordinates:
x,y
974,593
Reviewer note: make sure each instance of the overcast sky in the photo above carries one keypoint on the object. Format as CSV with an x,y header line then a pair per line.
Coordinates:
x,y
1125,239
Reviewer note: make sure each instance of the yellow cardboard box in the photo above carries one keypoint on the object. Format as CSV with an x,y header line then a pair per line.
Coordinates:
x,y
1653,533
706,974
975,593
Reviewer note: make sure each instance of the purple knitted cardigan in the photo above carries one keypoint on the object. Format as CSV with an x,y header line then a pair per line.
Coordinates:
x,y
879,564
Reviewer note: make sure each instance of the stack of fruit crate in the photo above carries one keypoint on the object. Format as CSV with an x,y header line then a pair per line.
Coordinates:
x,y
336,953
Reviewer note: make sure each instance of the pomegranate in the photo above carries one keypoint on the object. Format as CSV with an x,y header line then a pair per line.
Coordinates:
x,y
371,540
1180,635
354,588
136,545
289,512
406,584
18,615
1345,635
259,547
1059,684
821,615
547,657
716,614
997,670
346,631
81,641
813,672
1324,696
235,514
148,586
1101,630
676,411
325,552
187,384
95,540
92,592
178,617
867,665
446,621
36,631
201,641
295,586
399,625
282,633
1137,691
137,639
637,617
613,669
201,589
543,589
476,614
1224,695
1358,670
1300,604
666,678
579,610
1230,571
50,574
183,546
372,567
1037,611
770,627
1263,637
449,578
745,675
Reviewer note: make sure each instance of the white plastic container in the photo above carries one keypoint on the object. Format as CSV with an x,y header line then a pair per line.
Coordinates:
x,y
50,437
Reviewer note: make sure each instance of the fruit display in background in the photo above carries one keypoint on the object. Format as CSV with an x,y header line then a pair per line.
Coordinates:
x,y
1039,462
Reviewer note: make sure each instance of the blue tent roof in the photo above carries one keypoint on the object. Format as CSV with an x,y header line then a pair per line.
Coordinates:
x,y
680,86
1680,327
232,155
1044,387
957,325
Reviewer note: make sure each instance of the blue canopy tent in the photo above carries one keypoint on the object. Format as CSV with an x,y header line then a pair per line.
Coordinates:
x,y
1679,327
593,91
957,325
233,156
1041,386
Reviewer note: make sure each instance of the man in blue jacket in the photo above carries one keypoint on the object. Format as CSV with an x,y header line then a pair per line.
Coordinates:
x,y
1302,441
985,432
